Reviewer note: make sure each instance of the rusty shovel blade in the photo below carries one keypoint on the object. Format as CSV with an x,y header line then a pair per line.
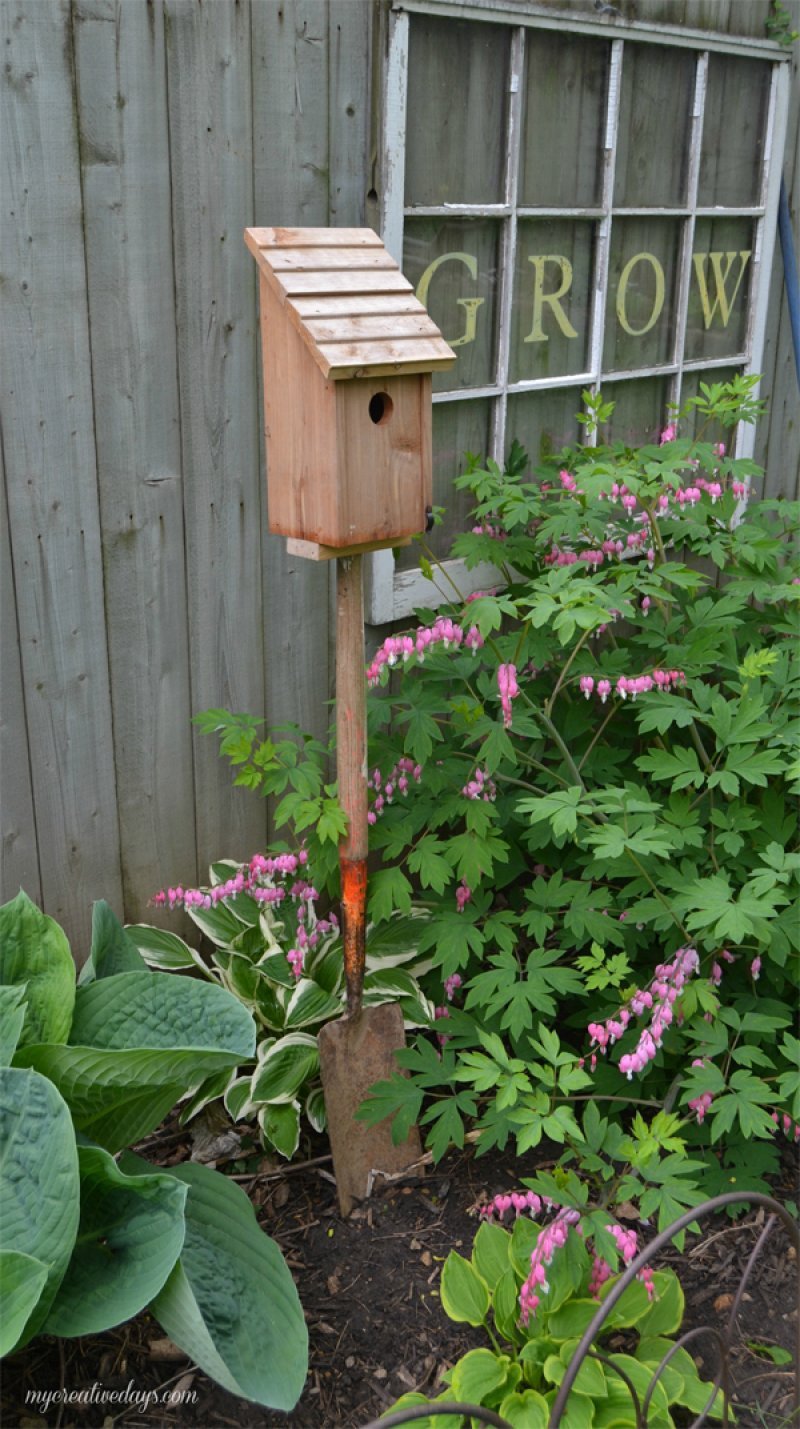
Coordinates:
x,y
355,1053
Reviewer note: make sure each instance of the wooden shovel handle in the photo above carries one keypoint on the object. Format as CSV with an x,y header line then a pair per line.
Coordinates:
x,y
351,761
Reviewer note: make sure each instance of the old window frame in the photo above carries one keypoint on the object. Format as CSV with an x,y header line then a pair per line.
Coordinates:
x,y
391,594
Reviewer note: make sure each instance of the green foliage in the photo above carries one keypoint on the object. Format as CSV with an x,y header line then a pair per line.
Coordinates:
x,y
626,828
278,1084
87,1242
519,1375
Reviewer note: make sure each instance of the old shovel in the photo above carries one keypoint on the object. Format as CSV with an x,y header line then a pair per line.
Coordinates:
x,y
357,1050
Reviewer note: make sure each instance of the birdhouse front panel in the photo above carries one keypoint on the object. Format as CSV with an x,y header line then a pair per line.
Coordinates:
x,y
347,353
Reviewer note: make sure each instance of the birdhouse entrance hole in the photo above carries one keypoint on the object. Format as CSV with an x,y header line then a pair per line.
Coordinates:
x,y
381,407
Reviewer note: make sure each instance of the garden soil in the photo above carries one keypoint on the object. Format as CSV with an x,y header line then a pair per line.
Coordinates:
x,y
369,1287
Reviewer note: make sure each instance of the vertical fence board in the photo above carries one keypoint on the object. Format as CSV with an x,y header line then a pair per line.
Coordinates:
x,y
122,111
19,862
51,472
208,80
290,174
778,439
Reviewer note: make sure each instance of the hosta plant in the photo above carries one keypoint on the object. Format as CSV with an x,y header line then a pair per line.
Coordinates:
x,y
89,1237
283,962
534,1290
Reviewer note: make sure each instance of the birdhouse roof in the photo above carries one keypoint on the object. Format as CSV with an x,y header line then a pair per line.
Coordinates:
x,y
349,301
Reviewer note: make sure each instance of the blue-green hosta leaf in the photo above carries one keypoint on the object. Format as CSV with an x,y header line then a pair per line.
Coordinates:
x,y
12,1018
130,1236
22,1280
164,951
146,1040
286,1065
230,1302
280,1127
112,951
35,954
39,1197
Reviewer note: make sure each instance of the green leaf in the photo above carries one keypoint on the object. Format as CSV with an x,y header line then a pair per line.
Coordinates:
x,y
280,1127
571,1318
22,1280
591,1377
163,950
559,809
476,1374
288,1063
464,1293
490,1252
12,1018
665,1315
388,889
525,1409
130,1236
147,1039
112,951
230,1302
35,954
39,1196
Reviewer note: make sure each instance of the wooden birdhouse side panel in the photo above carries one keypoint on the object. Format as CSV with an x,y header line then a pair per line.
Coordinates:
x,y
384,464
303,487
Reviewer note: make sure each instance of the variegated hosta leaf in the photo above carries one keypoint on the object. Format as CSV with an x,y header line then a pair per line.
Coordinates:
x,y
237,1099
396,985
280,1127
290,1062
309,1004
208,1091
165,951
315,1109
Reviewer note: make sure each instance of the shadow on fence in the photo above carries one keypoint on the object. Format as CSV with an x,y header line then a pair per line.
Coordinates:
x,y
641,1405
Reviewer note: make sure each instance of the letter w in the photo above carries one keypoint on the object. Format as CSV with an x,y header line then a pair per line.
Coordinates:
x,y
721,301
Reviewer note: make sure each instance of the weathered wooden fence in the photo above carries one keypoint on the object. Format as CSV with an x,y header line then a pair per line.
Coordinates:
x,y
139,138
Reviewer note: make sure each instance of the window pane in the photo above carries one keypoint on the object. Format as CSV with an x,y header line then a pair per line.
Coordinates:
x,y
696,424
563,125
458,428
655,112
457,86
733,131
643,270
721,269
552,295
640,414
544,422
453,266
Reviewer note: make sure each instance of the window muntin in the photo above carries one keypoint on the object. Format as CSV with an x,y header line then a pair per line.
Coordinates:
x,y
621,229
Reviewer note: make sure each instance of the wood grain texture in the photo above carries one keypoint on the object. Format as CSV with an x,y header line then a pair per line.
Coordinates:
x,y
211,138
19,858
122,107
778,438
49,445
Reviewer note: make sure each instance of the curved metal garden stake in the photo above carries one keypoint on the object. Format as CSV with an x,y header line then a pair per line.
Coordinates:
x,y
357,1050
641,1409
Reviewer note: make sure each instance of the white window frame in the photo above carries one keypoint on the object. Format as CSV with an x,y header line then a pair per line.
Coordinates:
x,y
391,594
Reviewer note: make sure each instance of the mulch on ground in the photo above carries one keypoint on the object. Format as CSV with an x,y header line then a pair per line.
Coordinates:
x,y
369,1287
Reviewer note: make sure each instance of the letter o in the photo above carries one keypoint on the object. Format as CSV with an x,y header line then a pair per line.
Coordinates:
x,y
622,290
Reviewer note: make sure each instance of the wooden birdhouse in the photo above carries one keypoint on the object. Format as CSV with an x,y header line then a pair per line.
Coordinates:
x,y
348,352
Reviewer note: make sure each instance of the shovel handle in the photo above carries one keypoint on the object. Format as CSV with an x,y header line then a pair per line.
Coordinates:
x,y
351,763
